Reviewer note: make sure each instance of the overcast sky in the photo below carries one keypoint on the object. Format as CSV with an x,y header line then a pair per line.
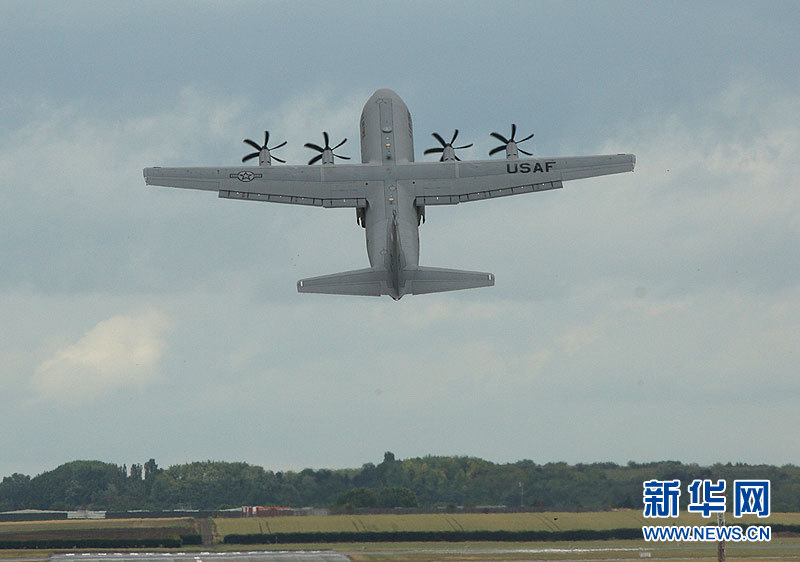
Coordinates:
x,y
644,316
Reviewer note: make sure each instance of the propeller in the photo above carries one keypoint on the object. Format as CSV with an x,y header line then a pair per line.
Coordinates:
x,y
326,153
260,148
510,144
447,149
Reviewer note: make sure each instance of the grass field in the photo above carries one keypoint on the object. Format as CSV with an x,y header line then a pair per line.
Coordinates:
x,y
97,528
545,521
86,524
786,548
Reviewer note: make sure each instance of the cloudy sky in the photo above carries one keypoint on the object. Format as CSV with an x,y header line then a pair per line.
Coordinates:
x,y
646,316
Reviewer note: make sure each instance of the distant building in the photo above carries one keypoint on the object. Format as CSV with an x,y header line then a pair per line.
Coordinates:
x,y
277,511
86,514
265,511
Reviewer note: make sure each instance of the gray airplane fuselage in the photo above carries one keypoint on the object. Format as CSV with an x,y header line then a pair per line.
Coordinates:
x,y
391,217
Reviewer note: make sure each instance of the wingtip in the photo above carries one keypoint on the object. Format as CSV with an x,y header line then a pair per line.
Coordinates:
x,y
148,173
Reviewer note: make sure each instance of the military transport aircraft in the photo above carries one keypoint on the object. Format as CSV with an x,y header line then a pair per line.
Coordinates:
x,y
389,192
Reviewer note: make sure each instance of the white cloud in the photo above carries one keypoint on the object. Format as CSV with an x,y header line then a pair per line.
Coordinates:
x,y
122,351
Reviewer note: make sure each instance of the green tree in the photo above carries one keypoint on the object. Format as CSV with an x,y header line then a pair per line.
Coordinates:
x,y
358,497
136,472
151,469
395,496
427,481
15,492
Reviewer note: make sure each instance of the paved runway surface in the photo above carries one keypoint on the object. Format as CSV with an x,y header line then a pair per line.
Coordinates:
x,y
615,553
254,556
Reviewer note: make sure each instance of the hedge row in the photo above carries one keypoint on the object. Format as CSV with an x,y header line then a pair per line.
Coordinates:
x,y
165,542
781,528
47,516
431,536
192,539
453,536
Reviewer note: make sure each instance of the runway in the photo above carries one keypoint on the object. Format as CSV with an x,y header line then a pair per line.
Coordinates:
x,y
611,553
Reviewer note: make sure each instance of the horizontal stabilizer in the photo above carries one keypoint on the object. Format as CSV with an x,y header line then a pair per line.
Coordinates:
x,y
422,280
368,282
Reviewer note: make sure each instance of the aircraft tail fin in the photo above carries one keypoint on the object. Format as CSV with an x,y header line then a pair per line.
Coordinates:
x,y
422,280
368,282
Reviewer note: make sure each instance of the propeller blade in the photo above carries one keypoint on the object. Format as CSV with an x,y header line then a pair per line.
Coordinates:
x,y
325,136
524,152
313,146
249,156
280,145
342,157
500,137
496,150
433,150
251,143
460,147
316,158
526,138
456,157
279,160
513,130
455,134
439,138
340,144
266,138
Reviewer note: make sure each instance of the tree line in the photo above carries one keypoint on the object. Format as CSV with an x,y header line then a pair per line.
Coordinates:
x,y
427,482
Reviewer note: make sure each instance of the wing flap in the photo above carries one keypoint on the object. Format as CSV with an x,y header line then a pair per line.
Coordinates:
x,y
486,194
294,199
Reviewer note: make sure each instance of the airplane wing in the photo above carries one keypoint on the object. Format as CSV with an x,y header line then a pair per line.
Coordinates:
x,y
345,185
449,183
320,186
